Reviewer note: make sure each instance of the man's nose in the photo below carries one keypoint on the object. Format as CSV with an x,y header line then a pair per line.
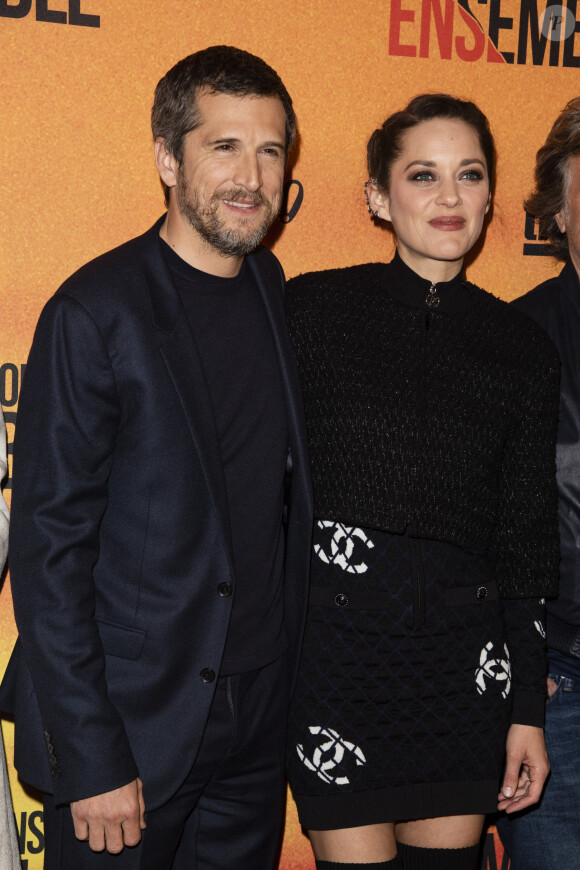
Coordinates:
x,y
248,172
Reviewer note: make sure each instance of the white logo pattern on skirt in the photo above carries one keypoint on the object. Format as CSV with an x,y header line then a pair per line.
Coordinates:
x,y
342,547
491,668
321,763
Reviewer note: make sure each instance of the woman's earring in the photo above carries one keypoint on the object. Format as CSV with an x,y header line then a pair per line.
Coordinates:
x,y
374,214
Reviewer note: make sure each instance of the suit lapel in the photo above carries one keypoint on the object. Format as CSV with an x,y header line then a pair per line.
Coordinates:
x,y
269,278
179,351
268,275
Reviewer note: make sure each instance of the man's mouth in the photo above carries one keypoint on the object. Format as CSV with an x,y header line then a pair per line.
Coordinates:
x,y
237,204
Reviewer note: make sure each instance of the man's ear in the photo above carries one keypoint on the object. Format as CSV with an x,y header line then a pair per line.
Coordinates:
x,y
378,201
561,221
166,163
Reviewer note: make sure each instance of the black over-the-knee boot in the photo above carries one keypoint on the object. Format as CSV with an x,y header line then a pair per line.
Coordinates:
x,y
395,864
418,858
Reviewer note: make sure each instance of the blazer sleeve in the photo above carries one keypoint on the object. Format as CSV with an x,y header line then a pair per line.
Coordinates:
x,y
68,418
4,516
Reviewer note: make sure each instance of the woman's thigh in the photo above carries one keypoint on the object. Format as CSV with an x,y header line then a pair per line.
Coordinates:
x,y
446,832
366,844
375,843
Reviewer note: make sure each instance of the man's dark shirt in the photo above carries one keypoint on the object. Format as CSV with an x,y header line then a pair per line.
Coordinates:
x,y
234,339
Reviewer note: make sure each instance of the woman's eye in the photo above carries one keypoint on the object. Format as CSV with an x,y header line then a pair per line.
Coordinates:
x,y
422,176
473,175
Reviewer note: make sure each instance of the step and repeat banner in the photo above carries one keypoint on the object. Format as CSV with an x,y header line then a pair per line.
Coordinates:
x,y
78,175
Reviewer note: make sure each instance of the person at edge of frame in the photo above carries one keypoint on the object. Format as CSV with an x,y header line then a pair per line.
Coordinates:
x,y
431,409
162,508
547,836
9,852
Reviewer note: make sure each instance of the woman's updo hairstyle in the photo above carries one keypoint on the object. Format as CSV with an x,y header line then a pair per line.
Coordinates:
x,y
386,144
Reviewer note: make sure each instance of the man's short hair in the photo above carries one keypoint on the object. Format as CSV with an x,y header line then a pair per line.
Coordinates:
x,y
552,176
219,69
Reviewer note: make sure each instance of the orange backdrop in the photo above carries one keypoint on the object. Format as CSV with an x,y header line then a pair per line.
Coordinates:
x,y
78,175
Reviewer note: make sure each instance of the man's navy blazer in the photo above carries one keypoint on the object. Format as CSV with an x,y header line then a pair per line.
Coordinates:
x,y
120,533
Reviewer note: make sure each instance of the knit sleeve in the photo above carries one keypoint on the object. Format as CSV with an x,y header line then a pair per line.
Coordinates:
x,y
526,639
525,547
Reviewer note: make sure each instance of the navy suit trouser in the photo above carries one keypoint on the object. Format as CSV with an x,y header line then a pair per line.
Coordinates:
x,y
229,810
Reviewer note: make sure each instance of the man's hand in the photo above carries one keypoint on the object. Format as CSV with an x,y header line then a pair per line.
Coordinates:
x,y
111,820
527,767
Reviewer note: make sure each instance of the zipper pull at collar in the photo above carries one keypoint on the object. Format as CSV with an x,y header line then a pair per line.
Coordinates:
x,y
432,300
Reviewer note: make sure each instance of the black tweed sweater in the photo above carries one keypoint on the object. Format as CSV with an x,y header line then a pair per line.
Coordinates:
x,y
436,420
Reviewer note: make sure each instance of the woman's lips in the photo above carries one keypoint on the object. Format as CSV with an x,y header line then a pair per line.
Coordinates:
x,y
453,222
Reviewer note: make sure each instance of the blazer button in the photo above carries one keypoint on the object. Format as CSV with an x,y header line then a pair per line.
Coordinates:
x,y
341,600
481,593
207,675
225,589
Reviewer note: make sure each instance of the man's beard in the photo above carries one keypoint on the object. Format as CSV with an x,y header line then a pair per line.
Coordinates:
x,y
227,241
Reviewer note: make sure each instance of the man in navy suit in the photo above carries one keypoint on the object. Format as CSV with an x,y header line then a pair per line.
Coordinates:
x,y
162,511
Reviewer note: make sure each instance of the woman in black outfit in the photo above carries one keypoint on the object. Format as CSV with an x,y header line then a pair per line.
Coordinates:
x,y
431,408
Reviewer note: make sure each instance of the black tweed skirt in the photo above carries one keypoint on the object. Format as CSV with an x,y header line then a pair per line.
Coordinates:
x,y
403,698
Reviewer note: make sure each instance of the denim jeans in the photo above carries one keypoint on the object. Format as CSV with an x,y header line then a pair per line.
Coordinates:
x,y
547,835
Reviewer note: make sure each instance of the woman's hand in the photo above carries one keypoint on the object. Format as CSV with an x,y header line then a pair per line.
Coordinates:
x,y
527,767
